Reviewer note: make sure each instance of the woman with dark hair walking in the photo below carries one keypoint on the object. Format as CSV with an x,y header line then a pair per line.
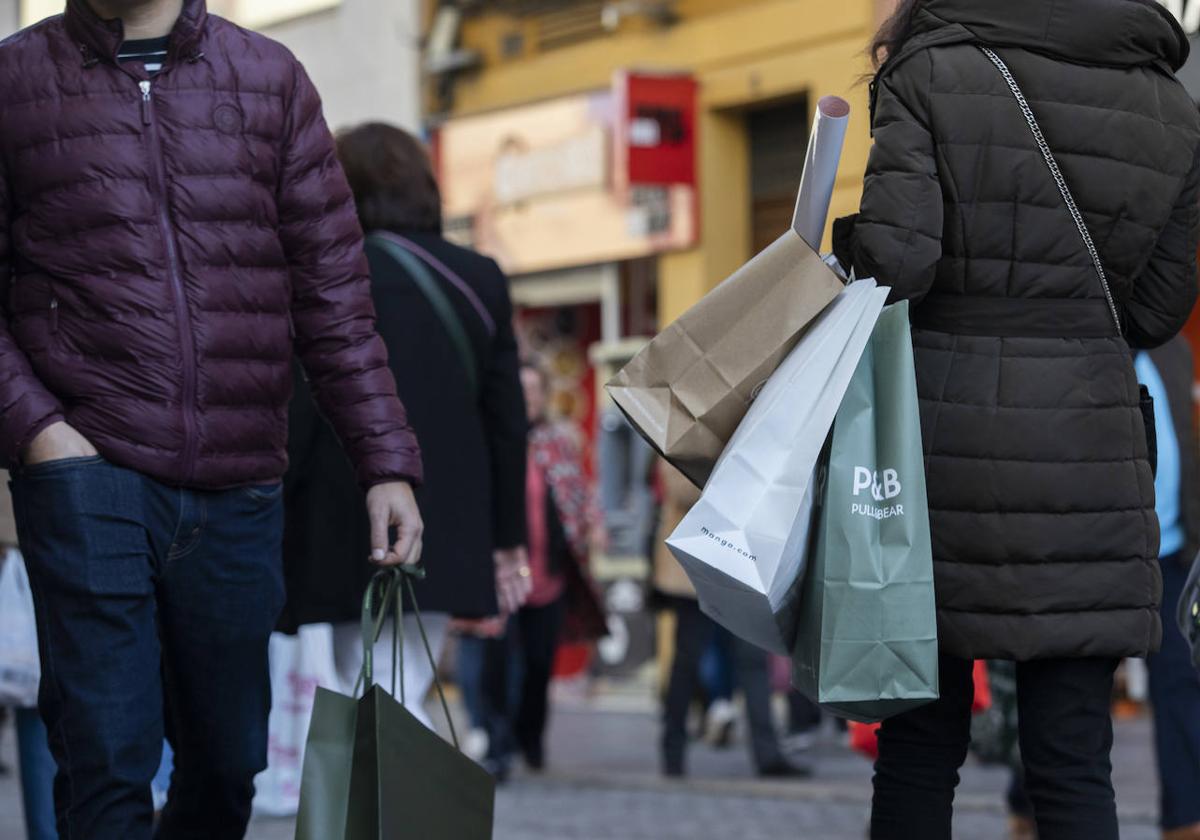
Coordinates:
x,y
445,315
1033,192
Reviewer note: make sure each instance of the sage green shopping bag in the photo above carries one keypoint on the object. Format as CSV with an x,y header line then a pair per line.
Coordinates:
x,y
867,647
372,771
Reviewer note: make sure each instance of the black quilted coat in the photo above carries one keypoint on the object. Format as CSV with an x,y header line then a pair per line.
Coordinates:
x,y
1040,490
161,242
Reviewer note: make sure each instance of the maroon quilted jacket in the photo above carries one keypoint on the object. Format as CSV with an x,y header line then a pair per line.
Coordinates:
x,y
162,241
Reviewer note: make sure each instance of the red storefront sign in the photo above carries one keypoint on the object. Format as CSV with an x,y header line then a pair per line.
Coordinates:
x,y
656,128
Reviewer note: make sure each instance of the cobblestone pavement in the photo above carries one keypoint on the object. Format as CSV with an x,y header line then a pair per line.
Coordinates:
x,y
603,785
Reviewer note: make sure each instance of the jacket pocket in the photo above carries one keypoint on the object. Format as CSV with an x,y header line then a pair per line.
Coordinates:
x,y
59,465
264,493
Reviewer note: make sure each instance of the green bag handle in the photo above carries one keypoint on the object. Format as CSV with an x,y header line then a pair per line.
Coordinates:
x,y
438,299
386,590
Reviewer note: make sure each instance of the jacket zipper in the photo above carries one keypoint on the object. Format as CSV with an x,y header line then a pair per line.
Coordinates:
x,y
53,313
182,313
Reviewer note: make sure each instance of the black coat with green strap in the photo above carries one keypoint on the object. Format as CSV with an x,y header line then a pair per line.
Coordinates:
x,y
472,438
1040,491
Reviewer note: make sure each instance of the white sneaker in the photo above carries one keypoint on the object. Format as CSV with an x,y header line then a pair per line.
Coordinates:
x,y
800,742
721,722
476,744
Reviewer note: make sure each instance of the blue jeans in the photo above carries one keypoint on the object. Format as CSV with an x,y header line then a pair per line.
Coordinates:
x,y
37,776
471,653
1175,696
717,666
154,607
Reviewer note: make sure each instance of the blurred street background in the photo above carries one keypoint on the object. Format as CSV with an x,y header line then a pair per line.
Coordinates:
x,y
604,785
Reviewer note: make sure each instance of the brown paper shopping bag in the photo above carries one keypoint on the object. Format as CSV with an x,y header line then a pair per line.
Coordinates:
x,y
689,388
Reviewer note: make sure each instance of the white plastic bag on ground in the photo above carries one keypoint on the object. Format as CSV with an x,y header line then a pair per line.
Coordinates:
x,y
743,545
299,664
20,670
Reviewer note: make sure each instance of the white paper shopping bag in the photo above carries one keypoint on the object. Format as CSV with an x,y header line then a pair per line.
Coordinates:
x,y
299,665
20,669
743,545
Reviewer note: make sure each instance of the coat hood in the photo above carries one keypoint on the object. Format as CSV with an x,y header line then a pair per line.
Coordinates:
x,y
1115,33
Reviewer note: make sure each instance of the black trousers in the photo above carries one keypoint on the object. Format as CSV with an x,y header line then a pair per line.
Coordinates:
x,y
515,684
1066,737
694,631
537,631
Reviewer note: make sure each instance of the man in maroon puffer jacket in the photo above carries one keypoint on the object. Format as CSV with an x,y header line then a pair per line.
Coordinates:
x,y
173,220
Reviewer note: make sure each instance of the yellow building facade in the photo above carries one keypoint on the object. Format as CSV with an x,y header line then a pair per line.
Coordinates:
x,y
745,55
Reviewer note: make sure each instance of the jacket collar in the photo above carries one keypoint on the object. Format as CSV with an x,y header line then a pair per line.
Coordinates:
x,y
101,39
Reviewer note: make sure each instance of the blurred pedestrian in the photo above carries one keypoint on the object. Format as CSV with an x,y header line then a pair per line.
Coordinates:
x,y
804,723
177,227
457,366
718,686
1040,489
561,516
1168,373
484,693
34,760
694,632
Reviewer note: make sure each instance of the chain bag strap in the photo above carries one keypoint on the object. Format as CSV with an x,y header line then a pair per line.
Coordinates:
x,y
1146,401
387,589
1058,179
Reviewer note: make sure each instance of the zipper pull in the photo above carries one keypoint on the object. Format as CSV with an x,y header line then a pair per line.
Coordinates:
x,y
145,86
54,315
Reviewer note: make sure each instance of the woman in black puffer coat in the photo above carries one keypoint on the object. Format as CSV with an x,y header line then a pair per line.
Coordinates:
x,y
1040,487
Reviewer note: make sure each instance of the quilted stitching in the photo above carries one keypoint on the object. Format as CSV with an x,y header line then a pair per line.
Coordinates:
x,y
268,241
1041,496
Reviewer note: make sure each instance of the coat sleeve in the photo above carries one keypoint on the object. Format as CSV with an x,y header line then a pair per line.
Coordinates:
x,y
897,236
26,406
1164,294
504,417
332,310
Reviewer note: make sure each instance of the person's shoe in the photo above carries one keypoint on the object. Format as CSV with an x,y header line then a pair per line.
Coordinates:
x,y
535,760
720,723
1188,832
800,742
673,769
1021,828
781,768
499,769
476,745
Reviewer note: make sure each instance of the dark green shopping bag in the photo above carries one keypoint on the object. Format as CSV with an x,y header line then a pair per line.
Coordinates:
x,y
372,771
867,647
